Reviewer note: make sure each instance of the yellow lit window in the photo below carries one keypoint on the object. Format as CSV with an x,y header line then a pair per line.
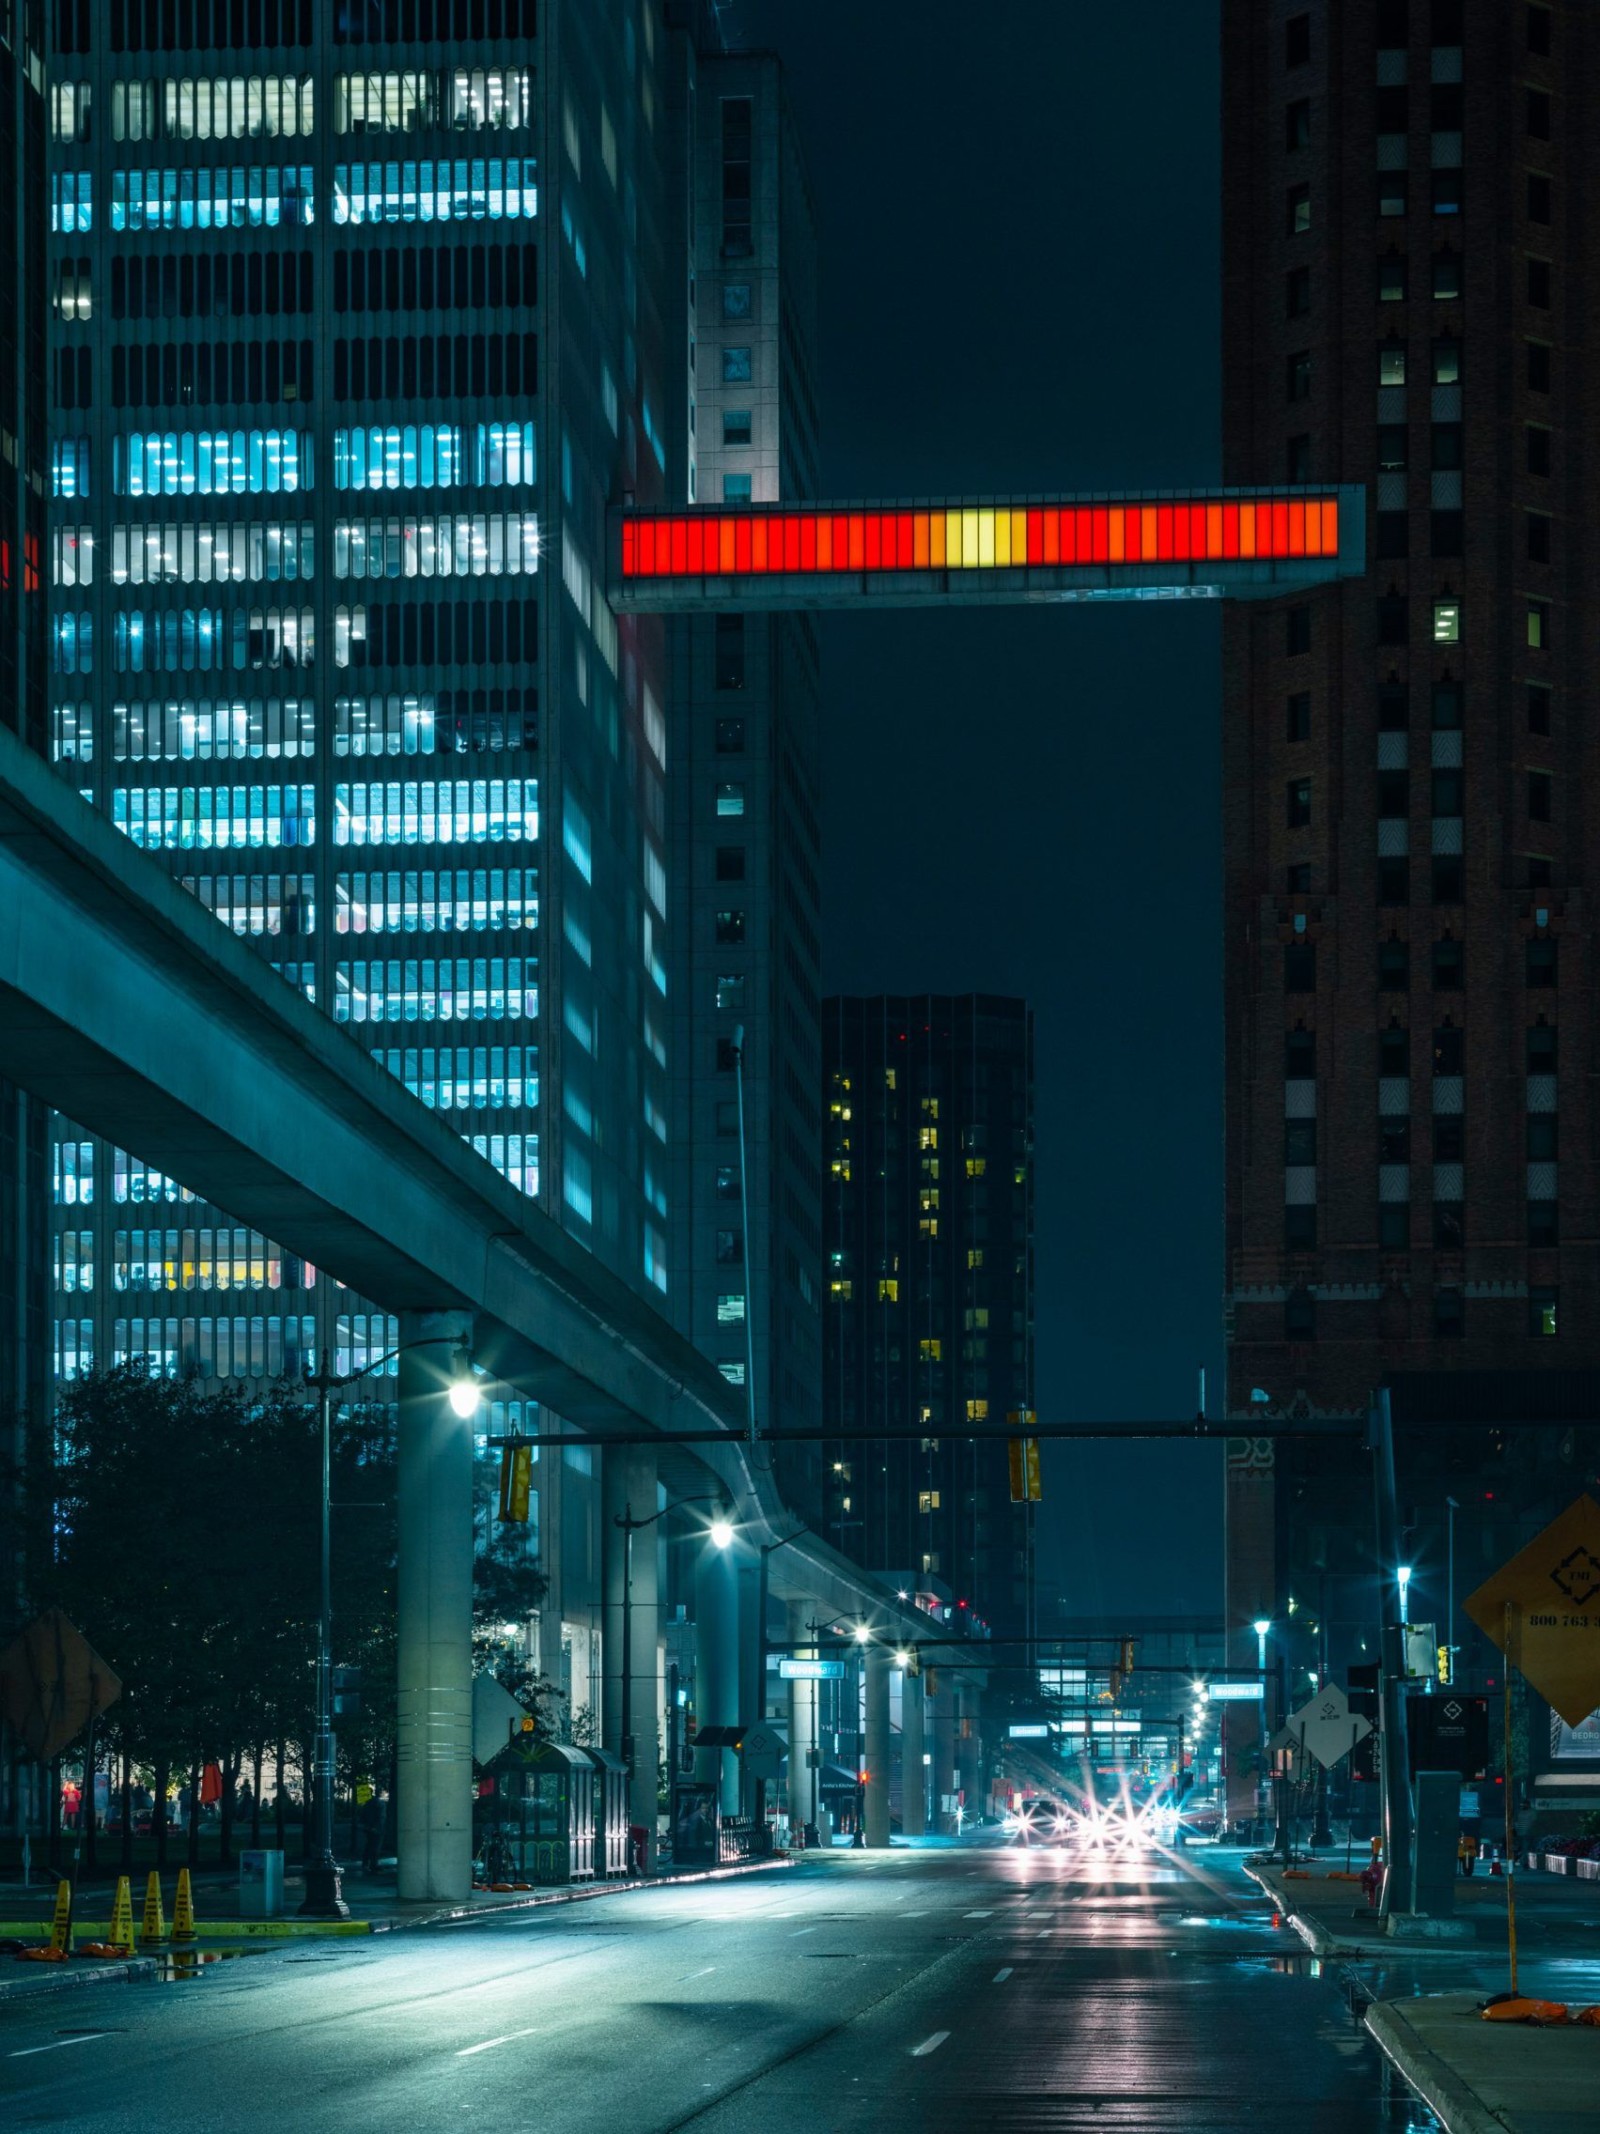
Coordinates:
x,y
888,1290
977,1411
928,1226
931,1351
891,1078
927,1500
974,1255
976,1166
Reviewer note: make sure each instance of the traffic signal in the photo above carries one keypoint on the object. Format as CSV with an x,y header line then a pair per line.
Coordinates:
x,y
1444,1664
516,1483
1024,1457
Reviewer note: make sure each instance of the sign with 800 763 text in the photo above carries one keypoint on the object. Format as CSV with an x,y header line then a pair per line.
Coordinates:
x,y
1543,1611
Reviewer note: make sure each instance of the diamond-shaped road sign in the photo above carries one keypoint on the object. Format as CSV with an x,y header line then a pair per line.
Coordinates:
x,y
764,1750
51,1681
1552,1591
1327,1728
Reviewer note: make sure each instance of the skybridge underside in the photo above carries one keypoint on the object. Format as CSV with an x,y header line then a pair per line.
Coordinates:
x,y
1194,545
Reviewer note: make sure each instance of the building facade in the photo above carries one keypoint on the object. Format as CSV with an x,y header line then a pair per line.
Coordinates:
x,y
928,1234
24,698
1408,303
747,910
358,334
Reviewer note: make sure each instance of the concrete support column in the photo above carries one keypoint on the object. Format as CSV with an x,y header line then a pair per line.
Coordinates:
x,y
716,1664
876,1805
944,1759
969,1748
628,1487
434,1614
913,1746
804,1780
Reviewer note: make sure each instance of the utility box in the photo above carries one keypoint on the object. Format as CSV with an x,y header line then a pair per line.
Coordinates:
x,y
260,1885
1438,1832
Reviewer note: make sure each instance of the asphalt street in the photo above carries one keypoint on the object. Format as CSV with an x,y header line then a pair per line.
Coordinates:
x,y
918,1991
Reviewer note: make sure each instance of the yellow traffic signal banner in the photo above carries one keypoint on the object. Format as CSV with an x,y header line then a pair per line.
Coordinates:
x,y
516,1483
1024,1457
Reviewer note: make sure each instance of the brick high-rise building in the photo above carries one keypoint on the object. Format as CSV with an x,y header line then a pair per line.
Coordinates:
x,y
1409,298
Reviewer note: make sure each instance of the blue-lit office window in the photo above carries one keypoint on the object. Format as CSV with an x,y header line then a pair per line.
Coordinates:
x,y
437,989
215,818
485,544
514,1156
210,462
69,467
132,1181
429,811
466,1077
399,456
74,1346
170,640
242,199
71,200
505,455
72,643
444,900
73,1169
161,553
464,189
202,727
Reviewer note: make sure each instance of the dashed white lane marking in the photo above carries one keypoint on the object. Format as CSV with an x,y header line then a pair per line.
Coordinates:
x,y
978,1915
1001,1976
56,2044
489,2044
705,1973
928,2045
802,1930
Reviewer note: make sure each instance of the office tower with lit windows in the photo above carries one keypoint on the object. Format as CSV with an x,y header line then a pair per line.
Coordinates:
x,y
928,1315
746,916
354,345
1409,300
24,698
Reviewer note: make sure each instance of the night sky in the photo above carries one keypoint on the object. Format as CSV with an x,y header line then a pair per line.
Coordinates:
x,y
1019,245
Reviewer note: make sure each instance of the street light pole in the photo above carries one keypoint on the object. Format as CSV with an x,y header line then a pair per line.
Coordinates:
x,y
721,1535
744,1216
1451,1507
758,1712
324,1892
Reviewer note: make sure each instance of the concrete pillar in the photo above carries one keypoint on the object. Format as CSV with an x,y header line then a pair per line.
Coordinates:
x,y
913,1746
628,1485
944,1758
803,1778
969,1748
434,1614
716,1663
876,1805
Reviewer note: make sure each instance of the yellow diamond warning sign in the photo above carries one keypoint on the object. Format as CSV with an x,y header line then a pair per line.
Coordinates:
x,y
1552,1591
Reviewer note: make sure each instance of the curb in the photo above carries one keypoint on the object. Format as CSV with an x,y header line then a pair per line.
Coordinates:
x,y
445,1915
62,1978
1460,2110
1321,1943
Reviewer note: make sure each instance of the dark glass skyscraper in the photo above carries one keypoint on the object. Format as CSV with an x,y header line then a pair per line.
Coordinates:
x,y
928,1242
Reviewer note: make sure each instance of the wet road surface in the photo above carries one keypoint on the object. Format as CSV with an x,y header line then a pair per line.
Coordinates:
x,y
920,1991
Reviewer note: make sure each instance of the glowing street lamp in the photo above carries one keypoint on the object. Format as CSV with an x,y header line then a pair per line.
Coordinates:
x,y
1403,1575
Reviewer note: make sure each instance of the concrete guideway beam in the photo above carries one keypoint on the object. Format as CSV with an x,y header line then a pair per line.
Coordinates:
x,y
132,1010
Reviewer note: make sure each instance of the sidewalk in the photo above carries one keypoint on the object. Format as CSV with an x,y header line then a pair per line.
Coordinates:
x,y
374,1905
1480,2078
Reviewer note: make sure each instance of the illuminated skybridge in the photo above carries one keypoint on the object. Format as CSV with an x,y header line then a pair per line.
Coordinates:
x,y
1220,544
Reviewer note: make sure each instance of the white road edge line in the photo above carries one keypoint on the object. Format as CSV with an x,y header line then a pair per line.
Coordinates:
x,y
56,2044
795,1936
929,2045
706,1973
467,2051
1000,1977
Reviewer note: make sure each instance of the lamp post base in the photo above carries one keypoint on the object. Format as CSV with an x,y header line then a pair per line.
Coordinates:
x,y
324,1897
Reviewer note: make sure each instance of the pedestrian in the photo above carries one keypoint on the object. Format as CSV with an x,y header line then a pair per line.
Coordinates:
x,y
371,1832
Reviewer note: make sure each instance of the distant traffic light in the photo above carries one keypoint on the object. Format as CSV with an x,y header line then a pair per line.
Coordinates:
x,y
1024,1457
1116,1683
516,1483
